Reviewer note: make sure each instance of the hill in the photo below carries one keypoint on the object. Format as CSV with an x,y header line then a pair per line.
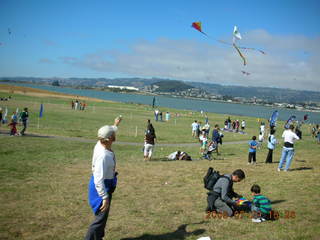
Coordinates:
x,y
170,86
267,94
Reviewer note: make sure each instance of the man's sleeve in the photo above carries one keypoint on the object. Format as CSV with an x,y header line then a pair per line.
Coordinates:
x,y
234,194
224,190
99,179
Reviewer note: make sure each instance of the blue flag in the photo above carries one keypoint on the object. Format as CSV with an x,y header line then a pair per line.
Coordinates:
x,y
41,111
273,118
290,121
153,102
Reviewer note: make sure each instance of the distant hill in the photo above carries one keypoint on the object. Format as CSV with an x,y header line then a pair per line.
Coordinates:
x,y
266,93
165,85
170,86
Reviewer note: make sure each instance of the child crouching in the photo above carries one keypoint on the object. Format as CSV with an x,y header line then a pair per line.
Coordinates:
x,y
261,205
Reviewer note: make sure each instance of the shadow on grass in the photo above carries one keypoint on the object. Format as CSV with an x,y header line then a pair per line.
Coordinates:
x,y
301,168
169,160
7,133
179,234
229,154
37,136
277,201
297,160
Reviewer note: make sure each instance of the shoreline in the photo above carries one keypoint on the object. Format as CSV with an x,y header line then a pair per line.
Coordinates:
x,y
29,91
47,93
37,91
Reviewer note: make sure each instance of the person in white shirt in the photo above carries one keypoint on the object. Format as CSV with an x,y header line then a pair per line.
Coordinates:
x,y
243,125
262,129
272,141
288,148
103,180
195,127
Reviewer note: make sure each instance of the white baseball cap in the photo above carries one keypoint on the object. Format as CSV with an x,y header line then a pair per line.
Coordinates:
x,y
106,131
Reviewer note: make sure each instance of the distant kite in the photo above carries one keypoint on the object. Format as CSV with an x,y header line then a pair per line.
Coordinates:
x,y
9,31
246,73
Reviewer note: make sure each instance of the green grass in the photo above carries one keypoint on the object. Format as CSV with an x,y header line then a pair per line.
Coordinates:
x,y
43,181
59,119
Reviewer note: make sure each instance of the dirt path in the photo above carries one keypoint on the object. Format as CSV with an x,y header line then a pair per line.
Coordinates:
x,y
86,140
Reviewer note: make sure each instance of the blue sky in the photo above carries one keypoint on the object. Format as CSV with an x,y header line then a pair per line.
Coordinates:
x,y
76,38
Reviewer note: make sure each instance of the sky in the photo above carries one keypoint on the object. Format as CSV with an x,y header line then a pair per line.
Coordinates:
x,y
154,39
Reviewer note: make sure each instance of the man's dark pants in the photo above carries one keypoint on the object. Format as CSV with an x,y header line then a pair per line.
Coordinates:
x,y
269,156
24,127
96,229
252,156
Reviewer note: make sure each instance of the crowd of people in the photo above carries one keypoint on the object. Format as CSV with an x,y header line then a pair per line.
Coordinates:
x,y
158,115
234,125
221,197
289,136
15,120
77,105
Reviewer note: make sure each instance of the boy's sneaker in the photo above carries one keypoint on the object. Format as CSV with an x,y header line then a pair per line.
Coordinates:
x,y
257,220
279,169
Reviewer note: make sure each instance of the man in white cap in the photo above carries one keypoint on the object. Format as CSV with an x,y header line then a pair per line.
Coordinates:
x,y
103,180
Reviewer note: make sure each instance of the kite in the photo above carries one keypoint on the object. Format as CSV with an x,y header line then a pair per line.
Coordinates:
x,y
289,122
153,102
197,26
241,55
242,201
236,37
273,118
9,31
246,73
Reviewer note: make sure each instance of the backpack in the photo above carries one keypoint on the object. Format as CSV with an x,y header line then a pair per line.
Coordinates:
x,y
211,178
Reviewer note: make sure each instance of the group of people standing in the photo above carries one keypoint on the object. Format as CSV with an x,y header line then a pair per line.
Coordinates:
x,y
234,125
77,105
221,198
289,136
158,116
14,120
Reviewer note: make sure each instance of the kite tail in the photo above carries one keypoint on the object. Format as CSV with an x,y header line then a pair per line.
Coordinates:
x,y
224,42
243,58
204,33
247,48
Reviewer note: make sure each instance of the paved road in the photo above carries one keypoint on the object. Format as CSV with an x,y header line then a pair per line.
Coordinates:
x,y
79,139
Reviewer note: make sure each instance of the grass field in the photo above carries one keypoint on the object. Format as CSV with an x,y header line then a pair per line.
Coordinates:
x,y
43,181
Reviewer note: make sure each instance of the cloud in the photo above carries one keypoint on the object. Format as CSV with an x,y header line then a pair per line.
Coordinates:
x,y
49,43
46,60
290,62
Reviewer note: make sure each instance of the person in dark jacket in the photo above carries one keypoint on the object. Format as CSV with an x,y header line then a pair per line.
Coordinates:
x,y
216,137
223,192
149,141
24,118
